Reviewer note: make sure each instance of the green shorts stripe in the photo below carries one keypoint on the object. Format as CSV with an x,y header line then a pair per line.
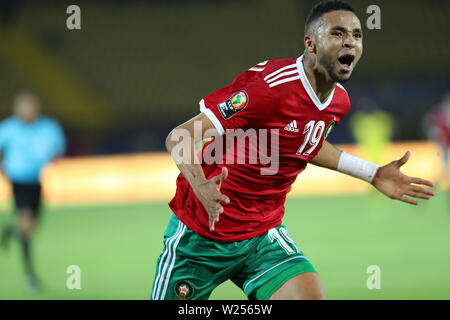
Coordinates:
x,y
166,263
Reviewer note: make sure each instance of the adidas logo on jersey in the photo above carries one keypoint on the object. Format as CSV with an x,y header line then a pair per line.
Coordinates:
x,y
291,127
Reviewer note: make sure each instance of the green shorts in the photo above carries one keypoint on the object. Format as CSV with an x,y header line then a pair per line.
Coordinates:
x,y
191,266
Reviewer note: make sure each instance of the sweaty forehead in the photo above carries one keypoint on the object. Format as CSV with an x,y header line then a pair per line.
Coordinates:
x,y
341,18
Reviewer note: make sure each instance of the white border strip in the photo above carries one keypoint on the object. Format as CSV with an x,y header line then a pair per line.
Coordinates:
x,y
211,116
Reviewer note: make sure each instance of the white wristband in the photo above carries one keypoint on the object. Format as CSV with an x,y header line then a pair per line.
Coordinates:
x,y
357,167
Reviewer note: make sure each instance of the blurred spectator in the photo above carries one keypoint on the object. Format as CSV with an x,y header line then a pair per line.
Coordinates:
x,y
437,123
28,141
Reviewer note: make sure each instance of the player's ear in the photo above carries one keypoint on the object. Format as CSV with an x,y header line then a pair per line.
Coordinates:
x,y
310,46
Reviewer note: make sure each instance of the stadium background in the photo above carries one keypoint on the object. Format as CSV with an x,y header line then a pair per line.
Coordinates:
x,y
136,69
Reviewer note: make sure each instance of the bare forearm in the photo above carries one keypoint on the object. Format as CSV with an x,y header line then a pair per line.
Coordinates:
x,y
328,156
181,144
192,171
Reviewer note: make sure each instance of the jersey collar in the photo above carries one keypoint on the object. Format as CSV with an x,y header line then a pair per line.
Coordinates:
x,y
304,79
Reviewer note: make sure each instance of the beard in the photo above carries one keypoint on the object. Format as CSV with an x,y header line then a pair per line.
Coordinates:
x,y
329,68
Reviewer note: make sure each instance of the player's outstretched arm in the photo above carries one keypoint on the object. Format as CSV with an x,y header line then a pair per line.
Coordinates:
x,y
207,191
328,156
390,181
387,179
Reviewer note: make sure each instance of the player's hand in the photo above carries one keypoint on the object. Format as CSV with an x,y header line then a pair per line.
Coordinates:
x,y
208,192
396,185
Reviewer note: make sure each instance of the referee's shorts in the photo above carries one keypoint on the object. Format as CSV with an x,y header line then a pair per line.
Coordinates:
x,y
27,196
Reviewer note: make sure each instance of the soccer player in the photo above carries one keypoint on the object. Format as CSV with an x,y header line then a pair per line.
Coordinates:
x,y
227,215
437,124
28,141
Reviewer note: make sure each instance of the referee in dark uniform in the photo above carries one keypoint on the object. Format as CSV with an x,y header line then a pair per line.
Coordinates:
x,y
28,141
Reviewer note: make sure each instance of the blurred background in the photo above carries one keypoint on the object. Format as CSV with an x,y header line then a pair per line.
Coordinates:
x,y
136,69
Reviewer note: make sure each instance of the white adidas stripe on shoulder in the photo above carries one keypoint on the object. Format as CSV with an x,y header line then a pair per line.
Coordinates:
x,y
286,73
279,76
273,84
256,69
280,70
258,66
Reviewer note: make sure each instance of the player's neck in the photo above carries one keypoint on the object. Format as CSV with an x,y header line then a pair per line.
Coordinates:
x,y
321,84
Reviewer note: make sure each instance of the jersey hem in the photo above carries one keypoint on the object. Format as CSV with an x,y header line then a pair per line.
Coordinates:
x,y
201,232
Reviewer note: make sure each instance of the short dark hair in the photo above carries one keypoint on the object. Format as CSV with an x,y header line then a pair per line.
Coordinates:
x,y
324,7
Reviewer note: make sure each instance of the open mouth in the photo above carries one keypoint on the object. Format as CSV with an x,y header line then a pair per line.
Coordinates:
x,y
346,61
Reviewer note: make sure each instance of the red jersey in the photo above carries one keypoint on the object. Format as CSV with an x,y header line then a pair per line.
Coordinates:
x,y
274,97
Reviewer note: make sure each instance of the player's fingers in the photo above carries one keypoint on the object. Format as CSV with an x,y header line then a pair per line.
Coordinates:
x,y
215,209
211,223
220,177
417,195
216,179
224,174
422,190
407,200
213,218
422,181
403,159
221,197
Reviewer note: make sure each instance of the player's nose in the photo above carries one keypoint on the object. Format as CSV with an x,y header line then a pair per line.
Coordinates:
x,y
349,42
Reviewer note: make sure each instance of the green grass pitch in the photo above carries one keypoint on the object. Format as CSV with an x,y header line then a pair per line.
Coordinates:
x,y
116,247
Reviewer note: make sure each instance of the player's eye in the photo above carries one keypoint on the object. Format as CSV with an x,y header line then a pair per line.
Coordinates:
x,y
337,33
358,35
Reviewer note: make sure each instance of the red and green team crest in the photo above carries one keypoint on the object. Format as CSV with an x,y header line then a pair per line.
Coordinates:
x,y
183,289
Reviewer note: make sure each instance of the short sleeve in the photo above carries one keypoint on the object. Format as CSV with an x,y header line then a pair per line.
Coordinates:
x,y
244,103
